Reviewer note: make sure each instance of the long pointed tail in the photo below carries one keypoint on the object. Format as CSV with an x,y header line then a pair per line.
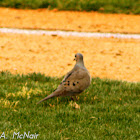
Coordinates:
x,y
46,98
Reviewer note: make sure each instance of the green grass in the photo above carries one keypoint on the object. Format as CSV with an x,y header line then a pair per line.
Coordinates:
x,y
107,6
108,109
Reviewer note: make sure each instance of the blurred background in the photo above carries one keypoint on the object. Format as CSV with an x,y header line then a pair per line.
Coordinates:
x,y
105,57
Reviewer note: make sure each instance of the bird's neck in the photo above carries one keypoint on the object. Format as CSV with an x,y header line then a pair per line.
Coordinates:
x,y
80,63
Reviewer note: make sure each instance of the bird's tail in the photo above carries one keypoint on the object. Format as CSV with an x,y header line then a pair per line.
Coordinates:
x,y
48,97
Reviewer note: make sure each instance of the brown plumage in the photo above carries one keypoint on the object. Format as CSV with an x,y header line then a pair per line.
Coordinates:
x,y
75,81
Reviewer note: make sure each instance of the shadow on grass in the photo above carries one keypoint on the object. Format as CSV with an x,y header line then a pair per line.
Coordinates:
x,y
36,86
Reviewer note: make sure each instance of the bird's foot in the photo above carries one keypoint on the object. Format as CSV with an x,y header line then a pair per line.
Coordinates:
x,y
74,98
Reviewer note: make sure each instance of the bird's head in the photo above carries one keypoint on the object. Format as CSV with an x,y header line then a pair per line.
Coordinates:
x,y
78,57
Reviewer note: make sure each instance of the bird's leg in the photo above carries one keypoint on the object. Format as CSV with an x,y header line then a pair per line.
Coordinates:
x,y
76,98
72,98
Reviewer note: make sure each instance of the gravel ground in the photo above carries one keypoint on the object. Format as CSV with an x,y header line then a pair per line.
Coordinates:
x,y
116,57
53,55
69,21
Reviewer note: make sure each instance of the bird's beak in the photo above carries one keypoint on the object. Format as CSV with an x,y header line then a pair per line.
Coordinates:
x,y
74,59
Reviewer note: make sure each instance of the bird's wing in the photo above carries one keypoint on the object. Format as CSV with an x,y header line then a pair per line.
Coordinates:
x,y
75,81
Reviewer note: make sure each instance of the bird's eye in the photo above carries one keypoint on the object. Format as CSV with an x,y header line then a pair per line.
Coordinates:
x,y
75,55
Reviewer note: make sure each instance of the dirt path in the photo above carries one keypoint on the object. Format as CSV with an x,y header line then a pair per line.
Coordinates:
x,y
68,20
53,55
104,57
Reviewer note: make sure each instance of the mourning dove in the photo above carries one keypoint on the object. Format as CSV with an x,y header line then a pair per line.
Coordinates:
x,y
75,81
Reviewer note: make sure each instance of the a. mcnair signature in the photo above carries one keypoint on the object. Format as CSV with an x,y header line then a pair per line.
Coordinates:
x,y
18,135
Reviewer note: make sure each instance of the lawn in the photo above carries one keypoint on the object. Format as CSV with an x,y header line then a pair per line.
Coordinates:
x,y
106,6
106,110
